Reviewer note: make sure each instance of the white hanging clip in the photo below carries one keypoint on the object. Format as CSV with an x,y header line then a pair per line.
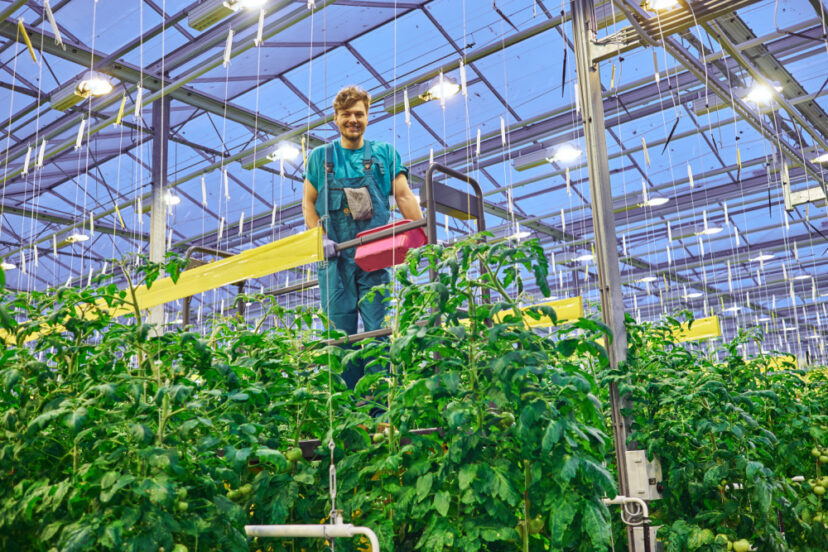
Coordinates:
x,y
502,132
258,41
91,224
273,216
644,191
442,95
690,175
35,256
228,48
203,190
655,66
23,262
226,185
407,106
41,156
477,151
27,161
220,228
568,182
431,156
54,245
139,98
52,23
79,138
463,78
563,221
241,224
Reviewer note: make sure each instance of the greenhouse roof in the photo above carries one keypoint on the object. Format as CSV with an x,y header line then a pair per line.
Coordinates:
x,y
720,206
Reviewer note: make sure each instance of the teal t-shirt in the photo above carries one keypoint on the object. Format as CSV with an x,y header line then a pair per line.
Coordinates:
x,y
348,164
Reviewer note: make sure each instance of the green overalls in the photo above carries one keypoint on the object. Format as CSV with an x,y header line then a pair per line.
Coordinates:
x,y
341,282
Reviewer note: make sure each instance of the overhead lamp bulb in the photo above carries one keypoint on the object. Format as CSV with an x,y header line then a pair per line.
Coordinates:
x,y
709,231
77,237
585,258
801,277
94,83
171,199
822,158
764,319
763,257
5,265
565,153
791,328
648,279
441,88
693,295
285,152
734,308
761,94
249,4
659,5
655,201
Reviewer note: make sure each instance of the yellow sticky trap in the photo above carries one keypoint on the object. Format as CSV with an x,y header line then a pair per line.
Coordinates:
x,y
120,111
297,250
120,218
666,285
703,328
21,29
779,363
612,77
566,310
739,158
721,299
646,153
304,153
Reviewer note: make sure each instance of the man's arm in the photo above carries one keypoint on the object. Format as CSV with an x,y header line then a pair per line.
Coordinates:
x,y
405,198
309,195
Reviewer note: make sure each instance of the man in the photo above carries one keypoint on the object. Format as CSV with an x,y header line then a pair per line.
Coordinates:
x,y
347,184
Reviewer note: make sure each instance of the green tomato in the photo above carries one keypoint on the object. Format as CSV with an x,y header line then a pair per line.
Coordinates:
x,y
815,452
536,525
741,545
245,489
378,437
233,494
181,506
181,493
294,454
819,490
507,420
179,548
823,459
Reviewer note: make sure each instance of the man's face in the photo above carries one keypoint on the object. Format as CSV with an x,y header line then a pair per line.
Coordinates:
x,y
352,121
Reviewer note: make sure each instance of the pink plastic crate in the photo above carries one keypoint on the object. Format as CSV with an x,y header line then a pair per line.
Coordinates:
x,y
390,250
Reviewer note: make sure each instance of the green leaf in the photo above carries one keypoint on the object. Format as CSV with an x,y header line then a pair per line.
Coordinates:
x,y
442,501
596,525
552,435
468,472
75,420
423,486
563,513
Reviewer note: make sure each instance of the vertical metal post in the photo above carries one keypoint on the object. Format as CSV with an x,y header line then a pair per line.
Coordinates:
x,y
584,26
158,214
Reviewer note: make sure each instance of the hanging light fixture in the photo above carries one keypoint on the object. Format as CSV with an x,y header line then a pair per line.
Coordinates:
x,y
171,199
761,94
5,265
77,237
659,5
709,231
764,319
565,154
91,84
821,158
655,201
763,257
648,279
285,152
693,295
585,258
441,87
208,13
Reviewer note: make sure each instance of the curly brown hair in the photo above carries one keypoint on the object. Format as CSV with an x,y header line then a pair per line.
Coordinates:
x,y
350,95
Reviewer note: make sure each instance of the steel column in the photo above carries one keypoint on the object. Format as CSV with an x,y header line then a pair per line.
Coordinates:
x,y
158,214
584,28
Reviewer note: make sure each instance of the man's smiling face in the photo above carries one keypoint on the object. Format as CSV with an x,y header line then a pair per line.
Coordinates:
x,y
352,121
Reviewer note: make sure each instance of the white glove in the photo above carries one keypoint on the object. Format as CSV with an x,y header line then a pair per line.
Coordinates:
x,y
329,247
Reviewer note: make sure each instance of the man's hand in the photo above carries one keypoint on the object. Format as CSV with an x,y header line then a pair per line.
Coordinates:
x,y
329,247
